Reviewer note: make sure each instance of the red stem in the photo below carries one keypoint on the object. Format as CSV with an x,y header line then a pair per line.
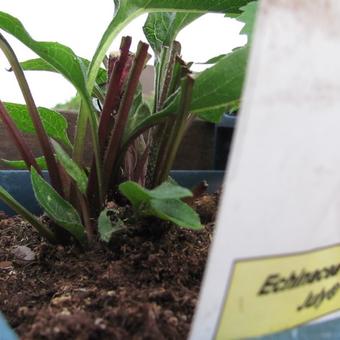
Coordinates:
x,y
32,109
106,119
123,113
113,92
18,139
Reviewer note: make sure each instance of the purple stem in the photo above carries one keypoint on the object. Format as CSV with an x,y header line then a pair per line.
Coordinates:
x,y
115,140
18,139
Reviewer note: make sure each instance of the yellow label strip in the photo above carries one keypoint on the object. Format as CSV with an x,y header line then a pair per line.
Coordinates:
x,y
271,294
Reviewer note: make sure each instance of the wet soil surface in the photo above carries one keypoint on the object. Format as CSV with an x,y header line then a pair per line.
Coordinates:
x,y
144,286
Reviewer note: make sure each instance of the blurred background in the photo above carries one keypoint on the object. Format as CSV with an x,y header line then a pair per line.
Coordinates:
x,y
80,25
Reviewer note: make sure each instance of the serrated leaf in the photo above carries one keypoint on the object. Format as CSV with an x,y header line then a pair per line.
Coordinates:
x,y
21,165
219,85
215,89
64,60
177,212
248,17
106,227
59,210
54,123
161,29
59,56
127,10
72,168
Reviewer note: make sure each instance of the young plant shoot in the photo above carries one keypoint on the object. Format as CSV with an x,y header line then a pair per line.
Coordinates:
x,y
134,143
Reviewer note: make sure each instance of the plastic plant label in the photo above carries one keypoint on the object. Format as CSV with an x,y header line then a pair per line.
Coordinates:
x,y
274,264
285,291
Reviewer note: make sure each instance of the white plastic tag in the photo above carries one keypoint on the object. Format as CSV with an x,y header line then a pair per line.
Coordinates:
x,y
275,260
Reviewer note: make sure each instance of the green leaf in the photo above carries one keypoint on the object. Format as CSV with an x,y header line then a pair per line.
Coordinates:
x,y
248,17
162,202
127,10
136,194
63,59
106,227
60,57
161,29
39,64
215,90
73,104
141,112
221,6
220,85
177,212
137,100
54,123
21,165
213,60
59,210
72,168
234,106
169,190
148,121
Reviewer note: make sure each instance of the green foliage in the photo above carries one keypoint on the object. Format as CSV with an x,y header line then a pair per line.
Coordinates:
x,y
60,57
161,29
213,60
54,123
39,64
221,6
164,202
219,85
122,141
175,211
59,210
127,10
106,226
71,167
248,17
209,100
140,110
21,165
71,105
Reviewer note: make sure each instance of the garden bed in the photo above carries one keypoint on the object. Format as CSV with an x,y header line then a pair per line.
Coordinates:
x,y
144,286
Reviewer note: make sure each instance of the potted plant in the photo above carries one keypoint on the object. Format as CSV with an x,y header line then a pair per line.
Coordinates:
x,y
100,247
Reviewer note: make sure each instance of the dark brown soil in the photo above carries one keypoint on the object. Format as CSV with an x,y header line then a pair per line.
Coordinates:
x,y
145,286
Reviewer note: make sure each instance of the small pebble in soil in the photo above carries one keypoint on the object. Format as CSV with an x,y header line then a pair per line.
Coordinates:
x,y
23,253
